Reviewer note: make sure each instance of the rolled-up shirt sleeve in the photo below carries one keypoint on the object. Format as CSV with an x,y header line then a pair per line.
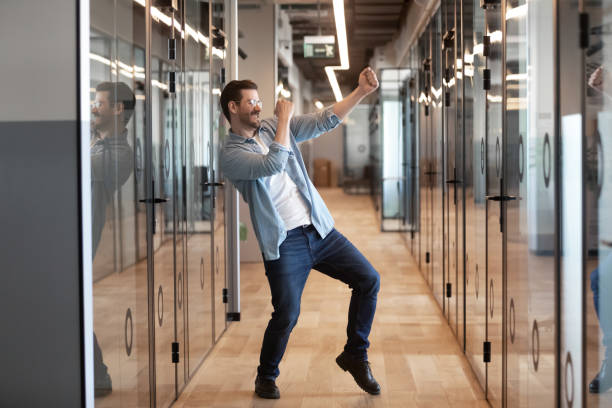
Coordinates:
x,y
311,125
240,164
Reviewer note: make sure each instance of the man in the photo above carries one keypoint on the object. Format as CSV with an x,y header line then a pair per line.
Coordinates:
x,y
601,277
293,226
112,162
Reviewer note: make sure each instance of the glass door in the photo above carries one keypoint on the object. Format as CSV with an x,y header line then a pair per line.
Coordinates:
x,y
451,172
439,256
597,195
493,83
166,202
475,102
393,214
197,184
529,201
117,143
219,132
425,156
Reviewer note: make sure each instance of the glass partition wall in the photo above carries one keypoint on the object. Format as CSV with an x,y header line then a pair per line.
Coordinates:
x,y
158,228
511,114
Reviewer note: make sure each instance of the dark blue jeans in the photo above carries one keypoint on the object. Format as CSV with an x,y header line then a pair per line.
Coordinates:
x,y
335,256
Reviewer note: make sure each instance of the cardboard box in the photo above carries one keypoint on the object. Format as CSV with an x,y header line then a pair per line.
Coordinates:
x,y
322,173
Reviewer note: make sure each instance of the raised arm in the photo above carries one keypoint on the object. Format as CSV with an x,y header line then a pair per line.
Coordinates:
x,y
368,83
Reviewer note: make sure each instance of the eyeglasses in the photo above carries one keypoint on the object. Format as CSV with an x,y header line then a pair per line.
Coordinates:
x,y
254,102
97,104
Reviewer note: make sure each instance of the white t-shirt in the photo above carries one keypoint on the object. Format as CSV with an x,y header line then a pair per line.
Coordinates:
x,y
286,197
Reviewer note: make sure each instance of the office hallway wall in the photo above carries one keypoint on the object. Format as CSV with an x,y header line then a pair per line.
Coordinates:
x,y
413,353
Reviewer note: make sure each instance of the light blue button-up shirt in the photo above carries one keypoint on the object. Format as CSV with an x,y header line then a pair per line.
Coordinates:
x,y
244,164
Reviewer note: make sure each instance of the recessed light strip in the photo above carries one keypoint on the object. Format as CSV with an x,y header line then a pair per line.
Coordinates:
x,y
342,46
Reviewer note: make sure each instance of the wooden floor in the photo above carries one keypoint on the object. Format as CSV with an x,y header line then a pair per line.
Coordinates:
x,y
413,353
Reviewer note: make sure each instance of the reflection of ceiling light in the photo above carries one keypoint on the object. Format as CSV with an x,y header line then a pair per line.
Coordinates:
x,y
495,98
496,36
516,12
469,71
216,91
342,46
437,93
160,85
459,63
158,15
319,104
469,58
516,77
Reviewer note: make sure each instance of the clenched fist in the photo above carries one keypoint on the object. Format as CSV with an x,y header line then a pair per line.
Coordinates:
x,y
596,80
283,110
368,82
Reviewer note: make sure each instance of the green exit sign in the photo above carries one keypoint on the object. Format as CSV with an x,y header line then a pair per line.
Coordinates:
x,y
320,46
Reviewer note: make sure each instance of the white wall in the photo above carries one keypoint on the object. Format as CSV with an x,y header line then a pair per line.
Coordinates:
x,y
257,25
36,68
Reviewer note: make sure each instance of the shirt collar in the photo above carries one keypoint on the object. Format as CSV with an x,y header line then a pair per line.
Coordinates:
x,y
236,138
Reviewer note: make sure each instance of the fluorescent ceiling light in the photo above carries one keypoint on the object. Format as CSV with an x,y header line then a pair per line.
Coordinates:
x,y
318,104
342,46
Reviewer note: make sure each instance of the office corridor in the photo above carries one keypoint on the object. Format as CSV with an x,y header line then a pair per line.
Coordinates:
x,y
413,353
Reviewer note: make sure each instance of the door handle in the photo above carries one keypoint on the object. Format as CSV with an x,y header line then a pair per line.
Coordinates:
x,y
154,200
502,198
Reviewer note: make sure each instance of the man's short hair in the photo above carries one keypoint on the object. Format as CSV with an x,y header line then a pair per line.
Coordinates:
x,y
119,92
233,92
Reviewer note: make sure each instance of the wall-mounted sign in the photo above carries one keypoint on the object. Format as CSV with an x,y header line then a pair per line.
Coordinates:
x,y
319,46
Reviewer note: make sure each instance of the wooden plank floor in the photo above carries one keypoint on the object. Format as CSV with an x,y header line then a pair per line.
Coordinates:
x,y
413,353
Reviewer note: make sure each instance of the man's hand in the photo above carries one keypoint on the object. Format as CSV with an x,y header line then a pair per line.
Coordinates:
x,y
368,82
284,110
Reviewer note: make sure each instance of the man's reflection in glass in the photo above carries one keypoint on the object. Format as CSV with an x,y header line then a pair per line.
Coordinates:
x,y
111,166
601,284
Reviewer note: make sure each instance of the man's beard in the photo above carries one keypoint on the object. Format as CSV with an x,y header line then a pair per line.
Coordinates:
x,y
101,123
252,120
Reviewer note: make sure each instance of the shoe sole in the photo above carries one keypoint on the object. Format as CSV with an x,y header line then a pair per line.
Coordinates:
x,y
266,395
342,366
